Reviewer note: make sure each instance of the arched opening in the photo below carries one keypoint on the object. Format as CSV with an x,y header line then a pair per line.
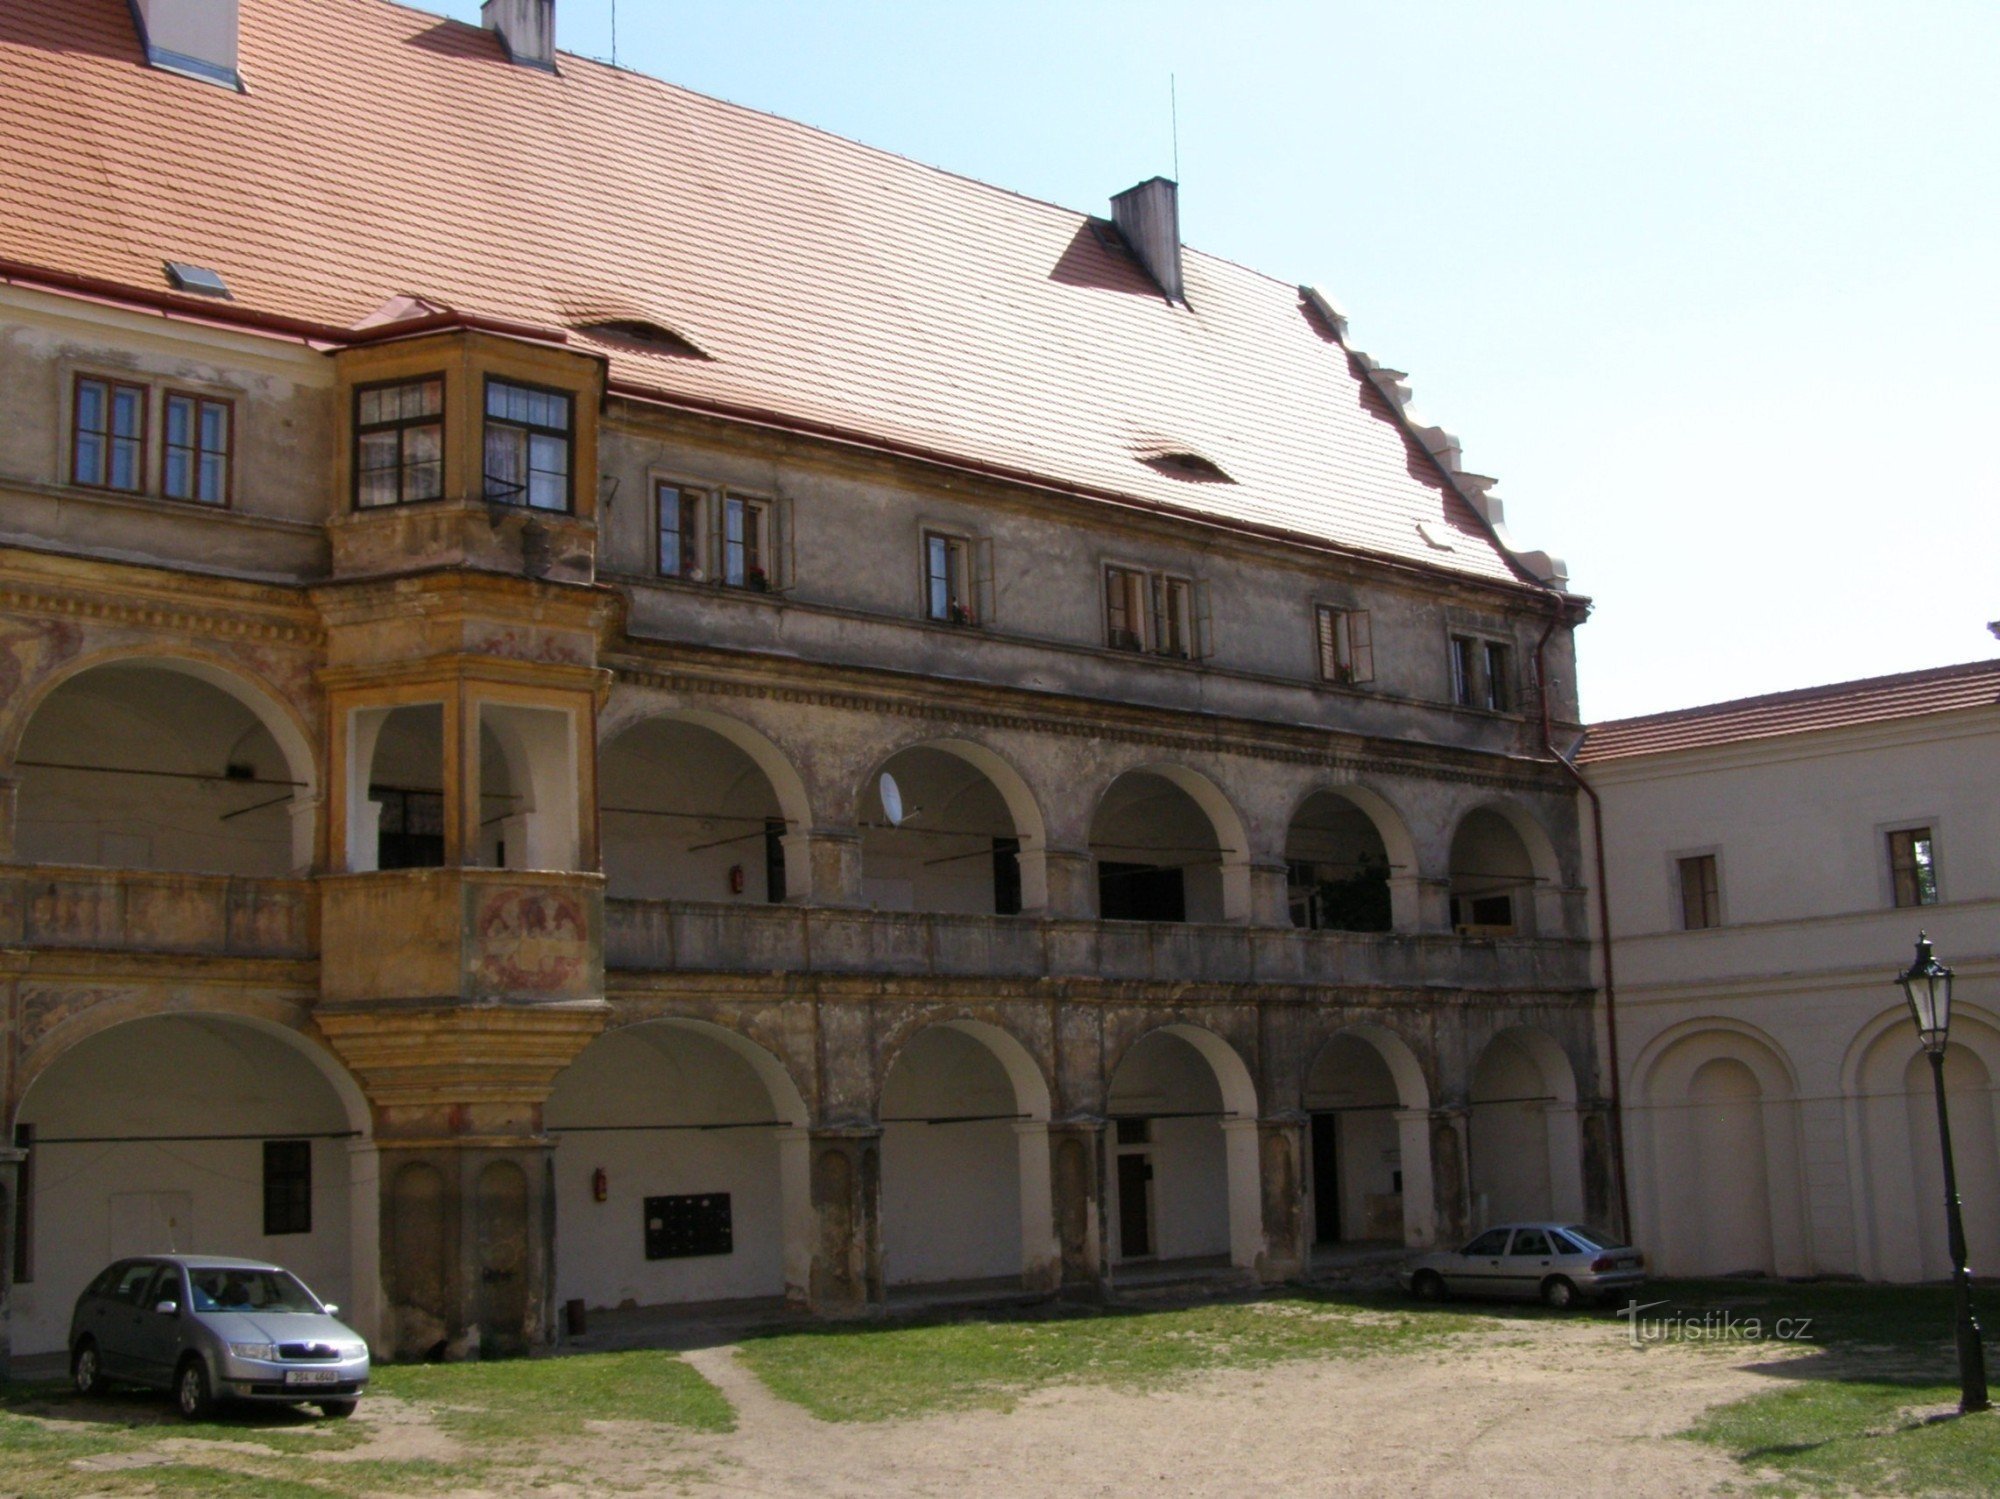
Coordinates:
x,y
965,1159
1167,847
1184,1183
1370,1150
1492,878
699,811
191,1133
679,1169
527,788
397,795
1905,1172
162,765
953,842
1524,1150
1338,868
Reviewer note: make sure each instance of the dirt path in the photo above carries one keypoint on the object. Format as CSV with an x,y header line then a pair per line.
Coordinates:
x,y
1555,1409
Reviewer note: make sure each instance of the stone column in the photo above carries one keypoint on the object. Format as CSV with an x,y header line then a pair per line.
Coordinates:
x,y
1242,1150
1413,1148
1406,903
1041,1255
847,1216
1076,1182
1270,895
1562,1127
1451,1184
1281,1172
10,803
1070,889
823,867
1433,905
10,1197
304,810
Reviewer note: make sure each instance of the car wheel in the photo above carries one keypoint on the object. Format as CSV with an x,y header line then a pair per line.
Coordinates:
x,y
86,1371
1558,1293
337,1410
1428,1285
191,1391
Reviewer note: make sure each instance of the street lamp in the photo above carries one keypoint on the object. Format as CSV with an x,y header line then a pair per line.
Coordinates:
x,y
1927,986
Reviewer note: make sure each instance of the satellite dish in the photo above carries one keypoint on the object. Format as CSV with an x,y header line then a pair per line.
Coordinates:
x,y
892,800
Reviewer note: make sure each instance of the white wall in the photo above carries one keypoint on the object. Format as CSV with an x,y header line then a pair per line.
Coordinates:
x,y
1146,819
940,858
715,795
175,1076
1795,985
1509,1138
660,1074
1164,1075
1350,1076
951,1193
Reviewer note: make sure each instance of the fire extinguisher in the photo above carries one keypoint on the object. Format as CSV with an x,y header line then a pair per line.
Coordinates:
x,y
600,1185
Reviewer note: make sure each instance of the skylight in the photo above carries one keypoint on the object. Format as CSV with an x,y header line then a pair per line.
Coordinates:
x,y
197,280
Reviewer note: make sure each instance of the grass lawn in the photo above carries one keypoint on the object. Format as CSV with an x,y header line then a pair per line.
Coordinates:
x,y
913,1369
482,1419
1855,1414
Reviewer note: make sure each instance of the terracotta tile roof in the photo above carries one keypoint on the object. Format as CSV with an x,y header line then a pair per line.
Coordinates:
x,y
1910,694
383,151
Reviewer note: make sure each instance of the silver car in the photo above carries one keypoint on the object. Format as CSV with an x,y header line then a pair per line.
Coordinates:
x,y
1560,1263
211,1329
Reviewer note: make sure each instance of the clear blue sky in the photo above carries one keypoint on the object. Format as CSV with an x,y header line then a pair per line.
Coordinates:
x,y
1710,287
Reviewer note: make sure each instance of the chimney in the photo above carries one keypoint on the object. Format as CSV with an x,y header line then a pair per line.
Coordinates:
x,y
1149,217
527,29
193,37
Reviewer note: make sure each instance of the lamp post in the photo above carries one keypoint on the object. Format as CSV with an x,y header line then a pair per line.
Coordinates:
x,y
1927,986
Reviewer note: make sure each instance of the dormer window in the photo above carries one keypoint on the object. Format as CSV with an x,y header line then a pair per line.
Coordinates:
x,y
528,445
399,442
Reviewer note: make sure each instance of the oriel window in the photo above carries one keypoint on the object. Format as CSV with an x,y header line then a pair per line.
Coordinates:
x,y
528,445
110,435
196,462
399,442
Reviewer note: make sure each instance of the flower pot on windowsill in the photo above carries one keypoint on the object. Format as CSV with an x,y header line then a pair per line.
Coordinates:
x,y
959,614
756,581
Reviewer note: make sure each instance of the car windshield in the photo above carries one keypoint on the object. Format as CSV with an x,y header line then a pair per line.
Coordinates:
x,y
222,1289
1594,1237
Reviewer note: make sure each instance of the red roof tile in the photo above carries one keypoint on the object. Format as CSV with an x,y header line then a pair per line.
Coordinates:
x,y
1912,694
384,151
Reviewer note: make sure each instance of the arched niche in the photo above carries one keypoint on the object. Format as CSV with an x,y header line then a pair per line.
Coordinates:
x,y
965,1159
678,1114
697,806
196,1132
1168,846
163,763
1523,1137
969,838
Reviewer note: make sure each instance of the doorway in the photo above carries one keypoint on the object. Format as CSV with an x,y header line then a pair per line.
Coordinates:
x,y
1135,1189
1326,1178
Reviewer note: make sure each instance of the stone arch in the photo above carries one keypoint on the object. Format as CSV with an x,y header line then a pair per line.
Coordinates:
x,y
1352,1133
676,1107
266,705
1895,1170
1716,1129
1190,1116
1523,1138
965,1168
1534,888
150,1133
1223,823
1391,826
963,883
788,804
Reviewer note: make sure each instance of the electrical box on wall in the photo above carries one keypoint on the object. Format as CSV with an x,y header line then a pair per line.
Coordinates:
x,y
684,1227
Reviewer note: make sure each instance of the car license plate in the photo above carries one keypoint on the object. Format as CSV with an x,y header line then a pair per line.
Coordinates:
x,y
312,1376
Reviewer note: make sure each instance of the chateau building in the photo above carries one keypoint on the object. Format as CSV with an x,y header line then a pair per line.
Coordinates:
x,y
606,697
1771,863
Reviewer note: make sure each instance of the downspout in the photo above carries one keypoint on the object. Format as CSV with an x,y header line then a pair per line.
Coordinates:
x,y
1603,918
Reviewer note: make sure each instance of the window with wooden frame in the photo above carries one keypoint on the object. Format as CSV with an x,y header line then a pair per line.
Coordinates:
x,y
950,588
1346,646
1701,892
399,442
199,433
1913,867
528,445
1173,617
681,519
1124,609
749,550
1157,613
1482,673
1497,685
108,434
1465,671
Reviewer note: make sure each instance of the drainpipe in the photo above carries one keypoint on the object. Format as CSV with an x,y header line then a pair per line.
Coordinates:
x,y
1603,917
